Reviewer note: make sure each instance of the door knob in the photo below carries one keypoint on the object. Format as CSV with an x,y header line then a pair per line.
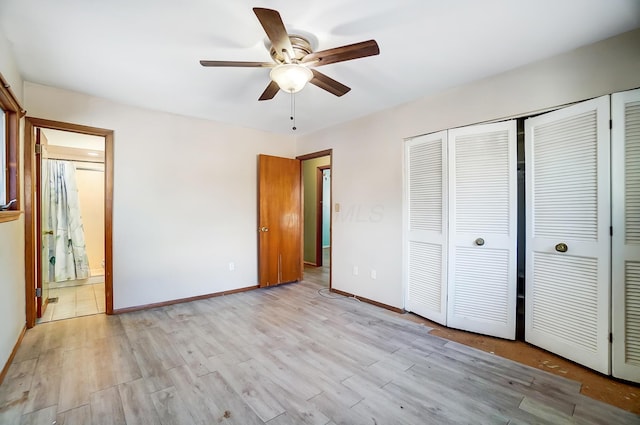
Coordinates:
x,y
562,247
263,229
479,241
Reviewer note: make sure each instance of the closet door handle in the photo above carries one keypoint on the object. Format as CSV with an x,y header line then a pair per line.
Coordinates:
x,y
263,229
479,241
562,247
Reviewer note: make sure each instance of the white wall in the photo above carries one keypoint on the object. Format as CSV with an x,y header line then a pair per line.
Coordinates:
x,y
367,169
12,307
191,209
90,181
184,196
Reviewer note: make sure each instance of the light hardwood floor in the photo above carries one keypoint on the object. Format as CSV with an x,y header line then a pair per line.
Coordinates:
x,y
293,354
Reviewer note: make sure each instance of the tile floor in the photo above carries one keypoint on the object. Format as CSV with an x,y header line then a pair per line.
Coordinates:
x,y
74,301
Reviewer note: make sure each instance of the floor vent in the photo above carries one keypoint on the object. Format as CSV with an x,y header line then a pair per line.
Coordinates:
x,y
52,300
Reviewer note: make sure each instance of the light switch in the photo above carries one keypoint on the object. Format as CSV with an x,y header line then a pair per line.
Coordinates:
x,y
337,206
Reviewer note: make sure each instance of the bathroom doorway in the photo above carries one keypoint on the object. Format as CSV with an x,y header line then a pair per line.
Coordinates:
x,y
68,217
70,213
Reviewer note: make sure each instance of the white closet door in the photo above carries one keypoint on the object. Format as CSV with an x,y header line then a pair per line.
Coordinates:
x,y
483,229
625,160
568,242
426,230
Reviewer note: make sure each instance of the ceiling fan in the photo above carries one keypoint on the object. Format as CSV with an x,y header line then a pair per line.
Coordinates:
x,y
294,58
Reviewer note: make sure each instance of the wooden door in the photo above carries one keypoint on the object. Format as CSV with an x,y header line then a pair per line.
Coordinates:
x,y
567,297
279,220
426,226
625,184
45,234
483,229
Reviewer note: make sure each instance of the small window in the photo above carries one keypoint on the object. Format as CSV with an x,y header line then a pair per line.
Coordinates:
x,y
10,113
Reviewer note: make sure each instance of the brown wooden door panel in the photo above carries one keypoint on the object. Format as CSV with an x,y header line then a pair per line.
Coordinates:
x,y
279,220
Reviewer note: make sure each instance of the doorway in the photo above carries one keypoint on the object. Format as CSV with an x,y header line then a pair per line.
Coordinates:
x,y
68,220
323,235
70,213
316,176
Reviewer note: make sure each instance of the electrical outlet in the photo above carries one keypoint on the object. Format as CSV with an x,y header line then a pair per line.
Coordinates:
x,y
232,266
374,275
355,270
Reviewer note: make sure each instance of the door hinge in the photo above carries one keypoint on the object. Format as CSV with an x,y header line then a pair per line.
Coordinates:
x,y
610,124
610,337
38,292
610,230
38,148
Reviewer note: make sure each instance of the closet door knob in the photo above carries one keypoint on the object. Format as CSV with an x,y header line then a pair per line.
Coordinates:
x,y
479,241
263,229
562,247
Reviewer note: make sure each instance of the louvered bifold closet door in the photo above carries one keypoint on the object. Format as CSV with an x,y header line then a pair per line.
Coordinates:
x,y
426,226
625,173
568,242
483,229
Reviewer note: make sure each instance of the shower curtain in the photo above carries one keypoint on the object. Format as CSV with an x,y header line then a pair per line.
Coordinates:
x,y
68,253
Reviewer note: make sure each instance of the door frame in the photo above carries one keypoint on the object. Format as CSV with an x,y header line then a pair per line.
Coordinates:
x,y
31,244
313,155
319,212
42,305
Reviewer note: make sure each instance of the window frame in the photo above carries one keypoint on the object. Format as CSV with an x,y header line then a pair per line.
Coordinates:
x,y
3,159
13,113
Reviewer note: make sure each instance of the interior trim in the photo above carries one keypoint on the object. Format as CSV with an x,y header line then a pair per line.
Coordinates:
x,y
319,211
13,112
368,301
326,152
30,123
5,369
183,300
9,216
329,153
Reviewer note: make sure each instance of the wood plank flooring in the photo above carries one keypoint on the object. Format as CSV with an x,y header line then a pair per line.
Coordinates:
x,y
293,354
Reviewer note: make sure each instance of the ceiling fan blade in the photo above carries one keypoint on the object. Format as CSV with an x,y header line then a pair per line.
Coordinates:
x,y
236,64
271,90
274,27
328,84
343,53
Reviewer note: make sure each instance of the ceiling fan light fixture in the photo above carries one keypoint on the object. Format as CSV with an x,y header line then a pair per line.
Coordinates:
x,y
291,77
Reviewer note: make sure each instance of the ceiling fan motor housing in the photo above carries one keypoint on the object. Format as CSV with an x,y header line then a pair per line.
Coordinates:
x,y
301,48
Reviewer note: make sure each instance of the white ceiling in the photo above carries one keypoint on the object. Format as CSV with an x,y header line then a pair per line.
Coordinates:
x,y
146,52
71,139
